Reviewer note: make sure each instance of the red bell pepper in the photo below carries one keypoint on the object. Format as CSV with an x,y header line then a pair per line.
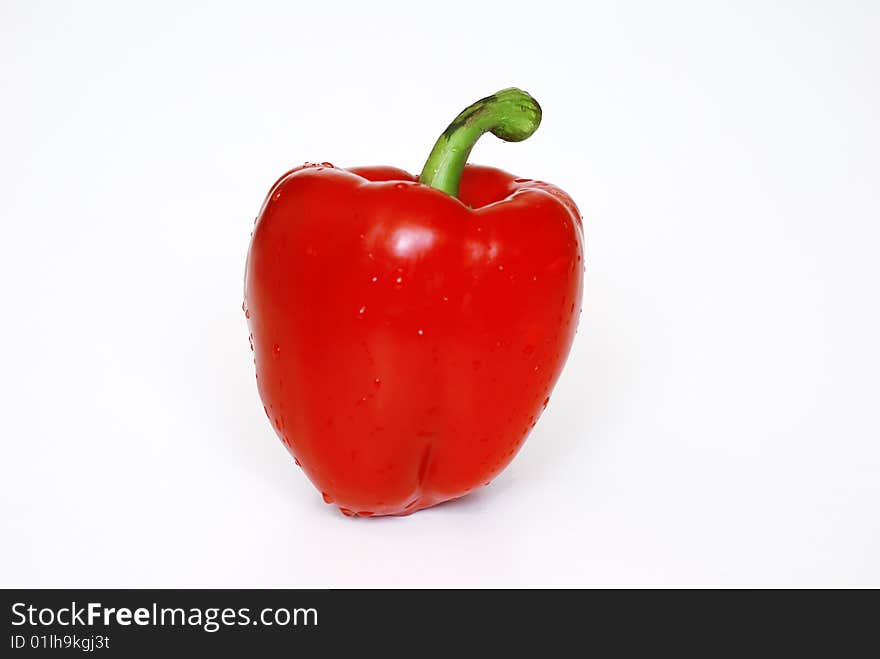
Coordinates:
x,y
407,332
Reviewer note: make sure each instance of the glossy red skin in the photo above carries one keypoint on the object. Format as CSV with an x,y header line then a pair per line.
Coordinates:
x,y
406,342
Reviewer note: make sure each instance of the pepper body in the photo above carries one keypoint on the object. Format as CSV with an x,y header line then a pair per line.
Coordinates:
x,y
406,341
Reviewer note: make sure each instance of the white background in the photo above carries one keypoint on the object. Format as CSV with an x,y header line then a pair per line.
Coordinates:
x,y
717,423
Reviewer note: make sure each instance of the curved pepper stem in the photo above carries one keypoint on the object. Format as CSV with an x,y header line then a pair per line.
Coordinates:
x,y
510,114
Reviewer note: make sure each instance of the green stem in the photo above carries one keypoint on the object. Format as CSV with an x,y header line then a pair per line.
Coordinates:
x,y
510,114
